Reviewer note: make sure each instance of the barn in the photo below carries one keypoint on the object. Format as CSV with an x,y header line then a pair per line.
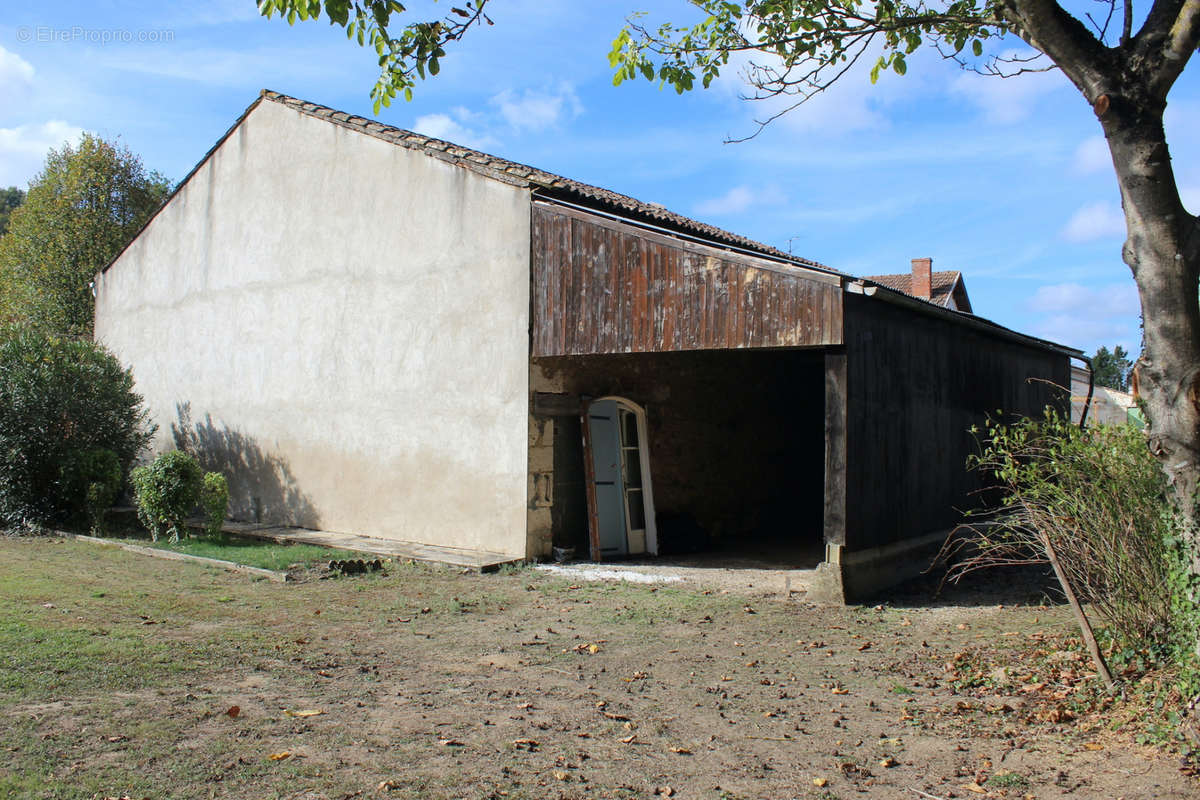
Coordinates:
x,y
375,332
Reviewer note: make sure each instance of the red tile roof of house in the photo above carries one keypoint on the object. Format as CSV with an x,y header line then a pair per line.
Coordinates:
x,y
943,285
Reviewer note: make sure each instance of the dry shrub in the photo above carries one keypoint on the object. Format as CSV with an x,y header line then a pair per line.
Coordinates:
x,y
1099,498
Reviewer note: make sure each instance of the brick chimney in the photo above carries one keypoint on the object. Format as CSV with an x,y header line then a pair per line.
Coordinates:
x,y
922,277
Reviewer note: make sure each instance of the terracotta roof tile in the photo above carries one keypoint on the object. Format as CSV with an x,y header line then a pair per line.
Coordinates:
x,y
941,283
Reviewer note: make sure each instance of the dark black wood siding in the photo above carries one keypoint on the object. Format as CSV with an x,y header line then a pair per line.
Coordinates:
x,y
915,385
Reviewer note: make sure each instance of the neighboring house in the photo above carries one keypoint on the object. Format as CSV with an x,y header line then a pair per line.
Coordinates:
x,y
1107,407
377,332
941,288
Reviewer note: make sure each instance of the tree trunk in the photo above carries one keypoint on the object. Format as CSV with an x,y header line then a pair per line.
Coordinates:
x,y
1163,251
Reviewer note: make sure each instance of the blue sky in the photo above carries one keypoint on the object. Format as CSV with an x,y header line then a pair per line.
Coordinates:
x,y
1006,180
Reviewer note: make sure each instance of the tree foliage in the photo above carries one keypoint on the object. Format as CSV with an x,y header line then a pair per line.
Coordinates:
x,y
64,403
415,52
1112,368
84,206
10,198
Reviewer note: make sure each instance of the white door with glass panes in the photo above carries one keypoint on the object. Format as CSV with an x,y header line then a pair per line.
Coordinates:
x,y
621,478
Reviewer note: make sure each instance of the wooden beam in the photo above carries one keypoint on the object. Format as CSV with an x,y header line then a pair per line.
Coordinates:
x,y
835,448
552,404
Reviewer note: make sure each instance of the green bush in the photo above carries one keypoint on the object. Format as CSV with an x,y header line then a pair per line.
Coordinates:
x,y
98,477
166,491
169,489
61,399
214,499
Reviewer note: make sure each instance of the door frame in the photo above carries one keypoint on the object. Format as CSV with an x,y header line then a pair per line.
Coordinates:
x,y
644,462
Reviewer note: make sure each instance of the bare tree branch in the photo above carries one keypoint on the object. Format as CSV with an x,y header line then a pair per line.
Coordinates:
x,y
1080,55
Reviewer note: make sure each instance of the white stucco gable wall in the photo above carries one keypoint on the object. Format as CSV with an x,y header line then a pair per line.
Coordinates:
x,y
342,324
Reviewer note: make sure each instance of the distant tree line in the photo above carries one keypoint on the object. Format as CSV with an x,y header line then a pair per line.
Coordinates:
x,y
84,206
1112,368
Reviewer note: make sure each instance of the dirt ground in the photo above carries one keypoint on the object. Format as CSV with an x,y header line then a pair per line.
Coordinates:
x,y
127,676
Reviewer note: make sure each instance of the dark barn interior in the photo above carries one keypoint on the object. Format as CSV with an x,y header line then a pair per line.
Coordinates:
x,y
736,441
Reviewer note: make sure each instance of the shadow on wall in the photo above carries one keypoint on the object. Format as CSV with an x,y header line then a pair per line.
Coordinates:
x,y
261,485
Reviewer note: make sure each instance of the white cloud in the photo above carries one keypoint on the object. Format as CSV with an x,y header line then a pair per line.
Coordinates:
x,y
1004,101
23,148
1092,156
1089,334
1095,221
1113,300
534,110
14,69
1088,316
454,129
741,198
16,78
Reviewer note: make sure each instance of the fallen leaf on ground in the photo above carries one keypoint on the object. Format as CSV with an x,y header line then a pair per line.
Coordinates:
x,y
629,739
1093,746
304,712
683,751
450,743
840,690
974,787
280,756
233,711
820,781
889,762
615,716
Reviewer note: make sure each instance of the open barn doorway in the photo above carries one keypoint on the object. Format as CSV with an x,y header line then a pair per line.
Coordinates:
x,y
731,445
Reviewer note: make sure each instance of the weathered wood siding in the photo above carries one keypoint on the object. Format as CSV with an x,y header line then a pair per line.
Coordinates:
x,y
915,385
600,286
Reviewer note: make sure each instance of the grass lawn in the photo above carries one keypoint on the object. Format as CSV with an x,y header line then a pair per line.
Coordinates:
x,y
250,551
126,675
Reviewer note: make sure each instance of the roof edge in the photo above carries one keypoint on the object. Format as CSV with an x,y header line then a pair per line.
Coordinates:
x,y
549,183
185,179
871,289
